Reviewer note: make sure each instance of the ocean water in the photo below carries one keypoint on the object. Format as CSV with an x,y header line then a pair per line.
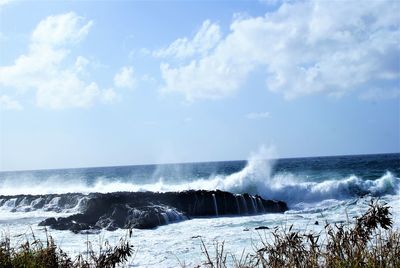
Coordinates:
x,y
325,189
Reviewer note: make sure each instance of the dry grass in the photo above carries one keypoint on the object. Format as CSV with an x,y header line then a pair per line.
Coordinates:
x,y
49,255
369,242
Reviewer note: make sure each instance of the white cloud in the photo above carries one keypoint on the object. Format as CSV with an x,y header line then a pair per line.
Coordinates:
x,y
67,91
80,64
125,78
61,30
303,47
260,115
109,96
5,2
205,39
7,103
43,67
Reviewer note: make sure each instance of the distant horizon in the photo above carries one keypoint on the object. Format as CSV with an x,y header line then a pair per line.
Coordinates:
x,y
195,162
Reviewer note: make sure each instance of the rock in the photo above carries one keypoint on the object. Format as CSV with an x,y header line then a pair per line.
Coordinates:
x,y
262,228
48,222
147,210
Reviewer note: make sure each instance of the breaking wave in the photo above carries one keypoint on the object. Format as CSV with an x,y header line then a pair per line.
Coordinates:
x,y
254,178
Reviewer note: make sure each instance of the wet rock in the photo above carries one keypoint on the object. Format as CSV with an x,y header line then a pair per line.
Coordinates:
x,y
262,228
48,222
147,210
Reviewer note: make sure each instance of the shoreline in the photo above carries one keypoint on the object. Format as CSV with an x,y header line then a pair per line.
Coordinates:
x,y
290,245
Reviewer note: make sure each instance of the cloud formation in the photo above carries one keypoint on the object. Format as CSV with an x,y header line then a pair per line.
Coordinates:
x,y
7,103
207,37
125,78
303,47
44,70
5,2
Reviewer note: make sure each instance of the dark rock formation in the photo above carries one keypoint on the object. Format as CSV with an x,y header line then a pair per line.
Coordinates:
x,y
146,210
262,228
142,210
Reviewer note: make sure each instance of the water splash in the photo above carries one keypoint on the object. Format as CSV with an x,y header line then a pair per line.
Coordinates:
x,y
255,178
215,205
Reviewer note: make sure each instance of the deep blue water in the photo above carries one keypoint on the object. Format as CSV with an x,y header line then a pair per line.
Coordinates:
x,y
366,167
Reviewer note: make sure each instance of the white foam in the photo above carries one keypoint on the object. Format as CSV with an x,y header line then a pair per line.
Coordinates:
x,y
254,178
162,246
26,205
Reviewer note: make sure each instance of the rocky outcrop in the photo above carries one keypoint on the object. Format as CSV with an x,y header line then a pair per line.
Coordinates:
x,y
142,210
146,210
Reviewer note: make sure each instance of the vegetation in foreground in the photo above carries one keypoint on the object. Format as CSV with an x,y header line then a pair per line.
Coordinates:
x,y
37,254
369,242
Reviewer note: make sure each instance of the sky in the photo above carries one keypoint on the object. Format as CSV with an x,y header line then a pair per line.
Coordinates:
x,y
103,83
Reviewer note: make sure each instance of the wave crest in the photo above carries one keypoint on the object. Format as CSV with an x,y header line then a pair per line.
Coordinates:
x,y
254,178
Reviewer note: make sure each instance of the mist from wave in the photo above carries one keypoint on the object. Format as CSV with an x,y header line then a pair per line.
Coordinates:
x,y
256,177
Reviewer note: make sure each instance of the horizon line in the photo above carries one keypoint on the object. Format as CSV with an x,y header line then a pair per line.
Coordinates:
x,y
192,162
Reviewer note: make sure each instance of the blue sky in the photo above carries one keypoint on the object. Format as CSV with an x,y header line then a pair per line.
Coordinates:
x,y
98,83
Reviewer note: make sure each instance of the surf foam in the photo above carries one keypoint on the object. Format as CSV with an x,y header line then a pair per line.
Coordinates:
x,y
254,178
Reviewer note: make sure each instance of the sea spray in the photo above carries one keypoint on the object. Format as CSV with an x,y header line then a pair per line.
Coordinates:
x,y
215,205
252,204
260,204
287,187
237,204
253,199
246,209
257,177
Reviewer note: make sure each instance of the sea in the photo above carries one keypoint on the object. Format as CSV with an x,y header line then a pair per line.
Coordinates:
x,y
330,189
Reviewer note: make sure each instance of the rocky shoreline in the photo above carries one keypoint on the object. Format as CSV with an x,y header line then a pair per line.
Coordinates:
x,y
142,210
